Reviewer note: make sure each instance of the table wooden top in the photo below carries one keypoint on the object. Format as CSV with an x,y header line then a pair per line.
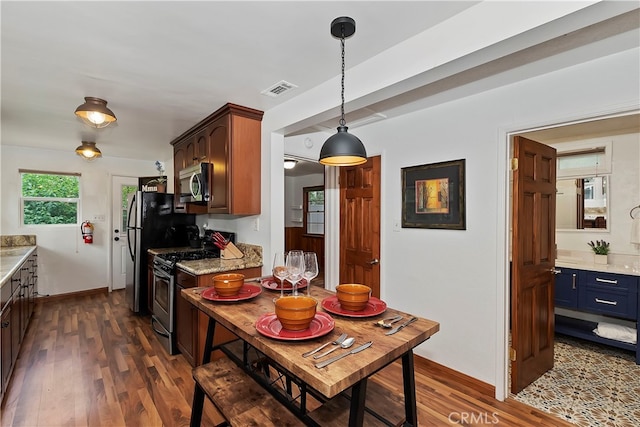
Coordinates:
x,y
240,318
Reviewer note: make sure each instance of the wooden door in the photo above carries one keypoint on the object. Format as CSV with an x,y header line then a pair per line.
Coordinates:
x,y
533,258
360,224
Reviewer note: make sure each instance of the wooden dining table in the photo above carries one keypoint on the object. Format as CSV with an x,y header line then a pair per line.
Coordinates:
x,y
350,373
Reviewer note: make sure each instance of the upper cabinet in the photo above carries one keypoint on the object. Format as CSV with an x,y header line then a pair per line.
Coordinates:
x,y
230,139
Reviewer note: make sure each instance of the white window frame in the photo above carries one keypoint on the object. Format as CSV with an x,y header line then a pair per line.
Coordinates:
x,y
24,199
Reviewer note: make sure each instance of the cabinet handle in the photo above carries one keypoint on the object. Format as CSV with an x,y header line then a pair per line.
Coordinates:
x,y
573,281
604,301
554,271
5,325
612,282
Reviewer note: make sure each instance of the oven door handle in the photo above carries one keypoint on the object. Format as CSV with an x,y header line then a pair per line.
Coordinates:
x,y
161,274
161,333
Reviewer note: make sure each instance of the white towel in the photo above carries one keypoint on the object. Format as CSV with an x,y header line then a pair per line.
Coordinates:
x,y
616,332
635,230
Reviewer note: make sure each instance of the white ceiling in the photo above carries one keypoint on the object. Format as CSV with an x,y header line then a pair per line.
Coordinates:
x,y
164,66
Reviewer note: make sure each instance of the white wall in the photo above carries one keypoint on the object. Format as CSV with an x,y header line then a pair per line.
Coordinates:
x,y
65,263
458,278
624,189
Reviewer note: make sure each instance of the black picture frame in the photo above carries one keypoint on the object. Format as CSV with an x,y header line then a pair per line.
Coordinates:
x,y
433,196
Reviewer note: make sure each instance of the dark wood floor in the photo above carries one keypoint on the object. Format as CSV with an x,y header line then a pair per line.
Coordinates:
x,y
88,361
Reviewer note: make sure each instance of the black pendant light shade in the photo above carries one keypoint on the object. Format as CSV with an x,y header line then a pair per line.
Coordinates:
x,y
94,112
343,148
88,151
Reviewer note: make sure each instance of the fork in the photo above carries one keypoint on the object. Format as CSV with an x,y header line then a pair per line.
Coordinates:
x,y
337,341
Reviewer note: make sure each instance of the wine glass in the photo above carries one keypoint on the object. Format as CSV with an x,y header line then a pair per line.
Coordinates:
x,y
310,269
295,268
279,269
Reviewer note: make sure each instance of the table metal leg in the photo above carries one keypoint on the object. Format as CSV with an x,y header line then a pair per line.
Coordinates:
x,y
358,399
409,381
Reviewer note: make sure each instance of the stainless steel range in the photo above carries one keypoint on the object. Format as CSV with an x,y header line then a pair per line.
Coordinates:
x,y
164,292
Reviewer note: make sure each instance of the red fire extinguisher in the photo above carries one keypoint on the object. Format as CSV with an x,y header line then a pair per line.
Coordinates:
x,y
87,231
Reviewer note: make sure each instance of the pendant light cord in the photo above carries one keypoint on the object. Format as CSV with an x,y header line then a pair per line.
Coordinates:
x,y
342,121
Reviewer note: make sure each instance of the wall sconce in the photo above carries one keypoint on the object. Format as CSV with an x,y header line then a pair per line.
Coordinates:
x,y
88,151
94,112
290,163
343,148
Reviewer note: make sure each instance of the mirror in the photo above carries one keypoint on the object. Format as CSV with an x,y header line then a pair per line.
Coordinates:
x,y
581,203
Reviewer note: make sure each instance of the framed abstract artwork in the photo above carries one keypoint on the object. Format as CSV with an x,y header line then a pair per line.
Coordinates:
x,y
433,196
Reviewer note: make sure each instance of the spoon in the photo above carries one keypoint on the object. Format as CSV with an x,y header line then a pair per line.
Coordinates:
x,y
387,323
345,344
335,342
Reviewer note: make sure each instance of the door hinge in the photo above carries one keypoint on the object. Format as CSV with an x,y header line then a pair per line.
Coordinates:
x,y
514,164
512,354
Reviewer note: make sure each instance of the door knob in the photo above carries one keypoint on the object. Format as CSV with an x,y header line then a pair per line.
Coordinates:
x,y
374,261
116,231
116,238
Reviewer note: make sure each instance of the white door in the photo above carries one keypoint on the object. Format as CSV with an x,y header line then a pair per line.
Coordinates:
x,y
121,186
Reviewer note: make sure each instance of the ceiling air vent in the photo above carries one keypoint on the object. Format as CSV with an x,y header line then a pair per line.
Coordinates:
x,y
278,89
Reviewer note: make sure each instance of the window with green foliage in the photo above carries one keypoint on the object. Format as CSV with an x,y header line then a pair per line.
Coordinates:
x,y
49,198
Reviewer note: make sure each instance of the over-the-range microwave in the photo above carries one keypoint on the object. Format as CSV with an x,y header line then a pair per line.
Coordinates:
x,y
195,183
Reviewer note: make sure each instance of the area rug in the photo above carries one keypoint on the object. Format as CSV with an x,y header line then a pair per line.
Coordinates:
x,y
590,385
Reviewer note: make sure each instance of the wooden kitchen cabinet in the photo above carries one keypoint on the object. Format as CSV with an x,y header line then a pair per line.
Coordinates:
x,y
230,138
18,300
191,324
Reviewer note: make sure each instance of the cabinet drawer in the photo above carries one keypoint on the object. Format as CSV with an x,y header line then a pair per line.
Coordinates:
x,y
186,280
613,302
617,281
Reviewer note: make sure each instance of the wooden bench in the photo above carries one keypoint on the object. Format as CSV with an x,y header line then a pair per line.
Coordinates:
x,y
380,401
240,400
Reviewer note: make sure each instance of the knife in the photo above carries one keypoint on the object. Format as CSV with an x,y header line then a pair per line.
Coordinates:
x,y
397,328
354,351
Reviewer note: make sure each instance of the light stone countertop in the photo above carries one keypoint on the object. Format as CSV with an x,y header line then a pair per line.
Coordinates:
x,y
618,263
11,258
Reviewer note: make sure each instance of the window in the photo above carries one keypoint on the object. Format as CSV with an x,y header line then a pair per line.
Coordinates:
x,y
314,210
125,191
49,198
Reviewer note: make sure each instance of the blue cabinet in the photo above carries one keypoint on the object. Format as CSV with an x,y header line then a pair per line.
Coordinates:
x,y
605,294
566,292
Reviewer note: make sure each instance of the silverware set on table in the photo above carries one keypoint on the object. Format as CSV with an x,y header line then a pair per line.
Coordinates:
x,y
344,342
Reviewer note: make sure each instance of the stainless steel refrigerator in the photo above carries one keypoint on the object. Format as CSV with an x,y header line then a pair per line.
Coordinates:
x,y
151,223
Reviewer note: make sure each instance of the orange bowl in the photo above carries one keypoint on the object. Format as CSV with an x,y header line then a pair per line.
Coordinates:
x,y
295,313
228,284
353,297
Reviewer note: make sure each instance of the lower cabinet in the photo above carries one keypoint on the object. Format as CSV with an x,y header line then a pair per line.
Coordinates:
x,y
605,294
18,299
191,323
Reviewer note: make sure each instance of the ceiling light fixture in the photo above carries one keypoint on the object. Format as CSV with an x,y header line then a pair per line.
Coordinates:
x,y
95,113
290,163
88,151
343,148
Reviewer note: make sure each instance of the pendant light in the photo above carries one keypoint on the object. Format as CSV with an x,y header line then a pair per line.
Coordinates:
x,y
88,151
343,148
94,112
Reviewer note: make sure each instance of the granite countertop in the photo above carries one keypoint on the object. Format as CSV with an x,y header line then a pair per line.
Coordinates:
x,y
252,258
11,258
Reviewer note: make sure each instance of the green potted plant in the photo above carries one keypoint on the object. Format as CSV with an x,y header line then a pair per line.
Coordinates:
x,y
601,250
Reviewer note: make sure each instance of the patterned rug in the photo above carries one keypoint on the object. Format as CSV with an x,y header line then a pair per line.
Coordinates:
x,y
590,385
